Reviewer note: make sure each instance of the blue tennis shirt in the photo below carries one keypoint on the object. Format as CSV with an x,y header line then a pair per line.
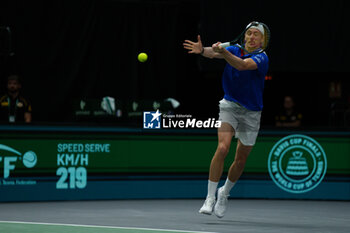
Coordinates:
x,y
246,87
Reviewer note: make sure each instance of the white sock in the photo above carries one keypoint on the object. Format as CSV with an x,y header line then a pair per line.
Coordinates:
x,y
212,186
228,186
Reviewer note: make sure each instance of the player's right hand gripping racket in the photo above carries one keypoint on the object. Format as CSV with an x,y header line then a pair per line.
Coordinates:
x,y
239,40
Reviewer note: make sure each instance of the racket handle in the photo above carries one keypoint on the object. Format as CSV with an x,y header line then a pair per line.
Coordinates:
x,y
225,45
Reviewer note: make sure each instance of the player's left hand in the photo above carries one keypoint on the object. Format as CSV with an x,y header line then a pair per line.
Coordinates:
x,y
194,47
217,48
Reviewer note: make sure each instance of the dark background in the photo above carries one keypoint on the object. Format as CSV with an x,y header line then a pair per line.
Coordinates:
x,y
73,49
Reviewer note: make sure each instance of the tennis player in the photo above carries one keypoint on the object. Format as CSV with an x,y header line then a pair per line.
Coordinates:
x,y
240,109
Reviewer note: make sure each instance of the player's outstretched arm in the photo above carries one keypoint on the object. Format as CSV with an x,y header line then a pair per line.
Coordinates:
x,y
234,61
197,48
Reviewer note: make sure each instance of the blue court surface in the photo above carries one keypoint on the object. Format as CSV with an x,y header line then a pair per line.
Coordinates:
x,y
154,216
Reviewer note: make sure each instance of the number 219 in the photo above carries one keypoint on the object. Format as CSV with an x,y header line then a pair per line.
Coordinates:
x,y
77,177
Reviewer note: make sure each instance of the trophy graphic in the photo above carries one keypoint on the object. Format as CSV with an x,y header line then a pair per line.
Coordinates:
x,y
297,165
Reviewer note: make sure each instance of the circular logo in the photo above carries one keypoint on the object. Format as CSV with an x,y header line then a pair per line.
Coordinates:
x,y
297,163
20,104
29,159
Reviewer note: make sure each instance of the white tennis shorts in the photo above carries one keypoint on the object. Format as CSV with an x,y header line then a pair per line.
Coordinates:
x,y
246,123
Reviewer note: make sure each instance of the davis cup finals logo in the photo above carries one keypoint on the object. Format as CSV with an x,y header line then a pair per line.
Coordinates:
x,y
297,163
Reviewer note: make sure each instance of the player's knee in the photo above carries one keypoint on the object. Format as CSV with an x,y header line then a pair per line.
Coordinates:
x,y
223,150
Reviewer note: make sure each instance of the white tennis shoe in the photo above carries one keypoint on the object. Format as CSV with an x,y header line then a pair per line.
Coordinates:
x,y
221,204
208,206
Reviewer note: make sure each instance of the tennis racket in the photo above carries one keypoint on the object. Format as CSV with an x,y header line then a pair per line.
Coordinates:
x,y
240,42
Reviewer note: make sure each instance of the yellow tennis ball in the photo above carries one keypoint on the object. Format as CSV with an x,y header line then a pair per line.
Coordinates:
x,y
142,57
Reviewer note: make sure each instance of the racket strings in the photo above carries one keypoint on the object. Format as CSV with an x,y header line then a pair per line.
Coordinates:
x,y
266,37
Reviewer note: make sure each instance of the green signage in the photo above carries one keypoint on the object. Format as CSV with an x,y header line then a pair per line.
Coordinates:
x,y
73,158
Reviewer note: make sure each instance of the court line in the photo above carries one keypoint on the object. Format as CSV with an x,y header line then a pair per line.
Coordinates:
x,y
106,227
